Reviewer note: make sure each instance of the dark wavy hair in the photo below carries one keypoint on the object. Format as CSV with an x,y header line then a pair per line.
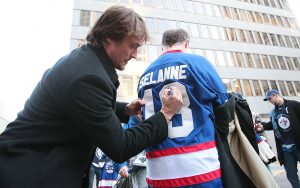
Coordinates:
x,y
116,23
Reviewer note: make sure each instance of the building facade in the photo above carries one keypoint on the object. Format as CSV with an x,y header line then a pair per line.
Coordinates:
x,y
253,44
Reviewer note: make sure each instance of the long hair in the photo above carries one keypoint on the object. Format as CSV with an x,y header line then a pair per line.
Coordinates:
x,y
116,23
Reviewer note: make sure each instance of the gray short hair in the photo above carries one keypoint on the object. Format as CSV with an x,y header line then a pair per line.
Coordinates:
x,y
173,36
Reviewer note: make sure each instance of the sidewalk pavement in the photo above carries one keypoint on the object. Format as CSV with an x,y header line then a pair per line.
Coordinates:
x,y
280,175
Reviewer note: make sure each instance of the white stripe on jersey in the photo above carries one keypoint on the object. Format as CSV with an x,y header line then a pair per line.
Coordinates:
x,y
183,165
107,183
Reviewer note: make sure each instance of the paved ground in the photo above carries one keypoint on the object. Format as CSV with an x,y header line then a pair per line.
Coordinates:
x,y
280,175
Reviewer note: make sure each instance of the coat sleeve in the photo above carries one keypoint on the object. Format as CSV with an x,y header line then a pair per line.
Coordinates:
x,y
267,125
89,104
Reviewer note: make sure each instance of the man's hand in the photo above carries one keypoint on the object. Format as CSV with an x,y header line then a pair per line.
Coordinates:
x,y
134,108
171,102
124,171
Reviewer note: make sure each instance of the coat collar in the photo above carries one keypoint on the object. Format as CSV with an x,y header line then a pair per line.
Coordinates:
x,y
107,64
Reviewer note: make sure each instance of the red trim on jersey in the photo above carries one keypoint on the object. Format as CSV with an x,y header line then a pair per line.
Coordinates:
x,y
192,180
172,51
181,150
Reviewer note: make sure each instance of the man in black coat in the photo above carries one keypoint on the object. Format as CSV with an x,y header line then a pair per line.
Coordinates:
x,y
285,121
73,109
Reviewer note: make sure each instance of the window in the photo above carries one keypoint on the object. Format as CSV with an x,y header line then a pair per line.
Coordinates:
x,y
214,32
292,23
273,84
285,22
258,17
281,40
231,34
274,40
266,39
265,61
217,10
161,25
208,9
249,36
152,53
188,6
256,88
289,63
266,3
158,3
234,13
249,61
150,25
273,20
250,16
257,37
204,31
237,86
220,58
126,86
225,12
296,63
168,4
227,84
282,88
85,18
210,56
241,35
280,21
265,18
230,59
288,42
294,42
282,63
141,54
274,62
222,33
199,7
297,87
184,26
171,24
247,88
194,30
290,88
95,16
238,59
272,3
265,86
243,15
148,3
199,52
179,5
257,61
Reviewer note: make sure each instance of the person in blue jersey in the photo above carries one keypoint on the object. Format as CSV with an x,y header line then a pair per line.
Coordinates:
x,y
109,172
188,157
137,164
95,169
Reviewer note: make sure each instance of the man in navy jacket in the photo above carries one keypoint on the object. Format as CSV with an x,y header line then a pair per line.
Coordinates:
x,y
73,109
285,121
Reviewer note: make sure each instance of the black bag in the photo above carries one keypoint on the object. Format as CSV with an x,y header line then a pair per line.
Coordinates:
x,y
124,182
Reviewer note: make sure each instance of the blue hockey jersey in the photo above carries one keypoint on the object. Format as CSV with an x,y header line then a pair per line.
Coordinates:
x,y
188,157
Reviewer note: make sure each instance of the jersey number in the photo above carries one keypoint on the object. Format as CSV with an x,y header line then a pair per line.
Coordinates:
x,y
186,126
